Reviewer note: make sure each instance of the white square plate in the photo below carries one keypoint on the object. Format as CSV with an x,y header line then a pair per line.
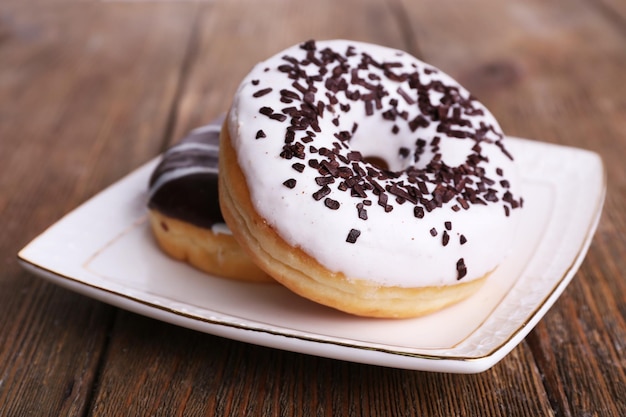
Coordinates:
x,y
104,249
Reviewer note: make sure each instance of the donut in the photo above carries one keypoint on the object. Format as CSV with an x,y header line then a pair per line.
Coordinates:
x,y
184,212
366,180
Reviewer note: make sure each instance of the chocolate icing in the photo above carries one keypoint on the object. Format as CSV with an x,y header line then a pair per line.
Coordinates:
x,y
184,183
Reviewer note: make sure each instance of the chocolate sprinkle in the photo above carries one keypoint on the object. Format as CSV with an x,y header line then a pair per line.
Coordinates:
x,y
321,193
445,238
298,166
266,110
290,183
278,116
260,134
461,269
362,211
353,235
331,204
262,92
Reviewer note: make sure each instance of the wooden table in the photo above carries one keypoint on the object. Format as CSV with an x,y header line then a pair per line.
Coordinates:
x,y
89,90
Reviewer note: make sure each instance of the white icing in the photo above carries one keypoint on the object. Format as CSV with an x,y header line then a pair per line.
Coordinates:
x,y
221,228
394,248
209,148
212,127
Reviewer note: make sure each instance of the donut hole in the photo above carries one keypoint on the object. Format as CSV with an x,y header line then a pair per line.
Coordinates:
x,y
377,162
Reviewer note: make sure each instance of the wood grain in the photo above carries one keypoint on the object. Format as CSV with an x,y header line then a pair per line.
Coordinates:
x,y
89,90
194,374
219,63
78,112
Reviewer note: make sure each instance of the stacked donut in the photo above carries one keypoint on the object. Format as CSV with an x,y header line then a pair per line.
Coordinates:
x,y
366,180
184,212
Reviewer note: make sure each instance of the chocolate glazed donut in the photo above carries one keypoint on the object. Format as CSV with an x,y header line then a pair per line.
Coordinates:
x,y
184,211
184,184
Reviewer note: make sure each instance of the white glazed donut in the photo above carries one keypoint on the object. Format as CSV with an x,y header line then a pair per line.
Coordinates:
x,y
364,179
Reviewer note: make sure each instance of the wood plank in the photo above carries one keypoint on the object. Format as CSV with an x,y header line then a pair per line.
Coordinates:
x,y
207,375
614,11
84,92
263,30
579,346
537,65
187,373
